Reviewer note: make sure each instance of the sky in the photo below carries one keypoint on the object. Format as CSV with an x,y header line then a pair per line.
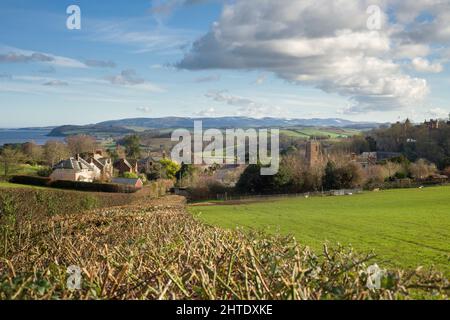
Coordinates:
x,y
198,58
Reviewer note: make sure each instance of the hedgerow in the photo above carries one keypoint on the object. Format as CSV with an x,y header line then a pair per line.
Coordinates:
x,y
156,250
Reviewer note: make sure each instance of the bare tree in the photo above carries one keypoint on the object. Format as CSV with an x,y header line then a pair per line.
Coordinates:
x,y
33,152
422,169
9,157
81,144
55,151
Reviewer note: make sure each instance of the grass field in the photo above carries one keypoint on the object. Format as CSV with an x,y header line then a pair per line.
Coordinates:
x,y
307,132
406,228
21,169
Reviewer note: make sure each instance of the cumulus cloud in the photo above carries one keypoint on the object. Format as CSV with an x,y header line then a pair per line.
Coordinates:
x,y
327,44
423,65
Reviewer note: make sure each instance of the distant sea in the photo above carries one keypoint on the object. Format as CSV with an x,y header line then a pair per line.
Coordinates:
x,y
38,136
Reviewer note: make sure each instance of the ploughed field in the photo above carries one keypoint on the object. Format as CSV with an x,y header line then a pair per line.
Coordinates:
x,y
406,228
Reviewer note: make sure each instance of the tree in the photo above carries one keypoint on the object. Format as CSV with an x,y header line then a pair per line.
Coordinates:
x,y
132,146
251,181
10,156
55,151
169,168
32,152
330,179
81,144
185,173
422,169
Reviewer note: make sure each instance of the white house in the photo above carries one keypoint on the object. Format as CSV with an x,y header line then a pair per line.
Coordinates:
x,y
75,170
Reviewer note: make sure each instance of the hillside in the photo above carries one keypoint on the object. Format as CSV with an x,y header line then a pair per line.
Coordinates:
x,y
234,122
126,126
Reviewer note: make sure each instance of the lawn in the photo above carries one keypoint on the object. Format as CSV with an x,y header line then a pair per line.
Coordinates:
x,y
406,228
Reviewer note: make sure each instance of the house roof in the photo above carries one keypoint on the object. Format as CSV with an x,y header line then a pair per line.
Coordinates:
x,y
73,164
129,163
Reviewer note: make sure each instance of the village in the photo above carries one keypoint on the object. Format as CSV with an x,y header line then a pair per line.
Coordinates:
x,y
313,165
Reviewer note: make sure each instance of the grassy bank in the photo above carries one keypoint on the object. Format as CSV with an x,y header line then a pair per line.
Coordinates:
x,y
405,228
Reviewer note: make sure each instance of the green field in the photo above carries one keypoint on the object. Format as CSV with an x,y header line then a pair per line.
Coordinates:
x,y
21,169
406,228
307,132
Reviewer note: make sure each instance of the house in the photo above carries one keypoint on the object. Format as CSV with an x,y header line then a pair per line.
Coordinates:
x,y
124,165
432,124
132,183
104,164
145,165
367,159
75,169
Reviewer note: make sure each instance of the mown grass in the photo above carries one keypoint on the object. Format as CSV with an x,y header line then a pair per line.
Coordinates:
x,y
156,250
405,228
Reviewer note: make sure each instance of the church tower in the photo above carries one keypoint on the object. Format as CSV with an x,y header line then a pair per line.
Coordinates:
x,y
312,153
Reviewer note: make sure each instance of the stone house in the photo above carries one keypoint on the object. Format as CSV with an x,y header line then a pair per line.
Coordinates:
x,y
124,165
75,169
104,164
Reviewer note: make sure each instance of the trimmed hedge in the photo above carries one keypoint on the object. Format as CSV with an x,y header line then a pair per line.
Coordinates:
x,y
29,203
73,185
31,180
93,186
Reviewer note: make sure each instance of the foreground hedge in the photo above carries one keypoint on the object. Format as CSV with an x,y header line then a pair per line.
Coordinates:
x,y
35,203
155,250
73,185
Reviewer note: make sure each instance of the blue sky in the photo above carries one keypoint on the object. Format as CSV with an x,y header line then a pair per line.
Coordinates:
x,y
137,59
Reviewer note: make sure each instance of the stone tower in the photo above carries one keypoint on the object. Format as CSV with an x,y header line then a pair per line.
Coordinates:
x,y
312,153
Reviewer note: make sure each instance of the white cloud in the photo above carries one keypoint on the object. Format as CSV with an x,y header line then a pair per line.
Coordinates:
x,y
144,109
209,112
130,78
438,113
245,106
261,79
327,45
423,65
15,55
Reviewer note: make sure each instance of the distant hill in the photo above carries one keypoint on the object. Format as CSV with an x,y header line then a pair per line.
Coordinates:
x,y
126,126
94,129
174,122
